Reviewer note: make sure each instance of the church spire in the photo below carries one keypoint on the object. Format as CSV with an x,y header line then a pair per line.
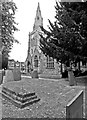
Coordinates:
x,y
38,12
38,19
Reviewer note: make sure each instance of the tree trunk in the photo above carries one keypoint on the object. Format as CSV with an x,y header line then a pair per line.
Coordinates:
x,y
79,65
61,68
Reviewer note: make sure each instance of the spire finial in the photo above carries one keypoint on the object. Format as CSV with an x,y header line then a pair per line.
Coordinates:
x,y
38,4
38,8
38,18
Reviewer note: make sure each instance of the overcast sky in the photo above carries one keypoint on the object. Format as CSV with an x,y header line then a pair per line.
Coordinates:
x,y
25,16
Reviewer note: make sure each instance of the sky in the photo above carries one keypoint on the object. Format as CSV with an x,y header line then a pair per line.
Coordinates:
x,y
25,16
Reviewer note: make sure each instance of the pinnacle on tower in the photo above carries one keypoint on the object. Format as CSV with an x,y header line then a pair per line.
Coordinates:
x,y
38,6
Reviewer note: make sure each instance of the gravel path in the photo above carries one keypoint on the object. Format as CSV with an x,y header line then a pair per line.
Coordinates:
x,y
54,96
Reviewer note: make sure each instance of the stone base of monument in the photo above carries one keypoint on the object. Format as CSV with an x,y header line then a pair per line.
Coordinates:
x,y
20,100
74,108
34,74
50,76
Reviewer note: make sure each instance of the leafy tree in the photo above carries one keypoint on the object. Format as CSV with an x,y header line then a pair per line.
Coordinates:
x,y
8,27
66,39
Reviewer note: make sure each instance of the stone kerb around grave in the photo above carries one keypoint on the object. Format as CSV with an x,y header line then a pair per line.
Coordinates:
x,y
74,108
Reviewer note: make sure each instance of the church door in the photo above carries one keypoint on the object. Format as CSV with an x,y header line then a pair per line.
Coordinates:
x,y
36,61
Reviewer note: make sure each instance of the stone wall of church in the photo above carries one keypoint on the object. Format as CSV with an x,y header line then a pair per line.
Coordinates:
x,y
53,71
43,67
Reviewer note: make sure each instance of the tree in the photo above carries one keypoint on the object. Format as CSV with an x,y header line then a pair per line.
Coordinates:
x,y
66,39
8,27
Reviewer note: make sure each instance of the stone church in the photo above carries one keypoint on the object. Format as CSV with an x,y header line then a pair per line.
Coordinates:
x,y
36,60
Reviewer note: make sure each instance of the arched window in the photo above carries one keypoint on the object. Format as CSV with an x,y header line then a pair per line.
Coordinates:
x,y
50,62
31,51
36,61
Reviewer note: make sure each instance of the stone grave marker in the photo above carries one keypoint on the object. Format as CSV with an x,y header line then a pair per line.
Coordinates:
x,y
1,77
34,74
9,76
16,74
72,80
74,108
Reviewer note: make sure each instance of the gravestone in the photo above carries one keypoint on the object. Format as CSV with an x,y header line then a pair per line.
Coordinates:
x,y
9,76
16,74
34,74
74,109
1,77
71,77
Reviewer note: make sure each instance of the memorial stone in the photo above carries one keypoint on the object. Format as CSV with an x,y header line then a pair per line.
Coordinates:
x,y
16,74
34,74
71,77
74,108
1,77
9,76
1,49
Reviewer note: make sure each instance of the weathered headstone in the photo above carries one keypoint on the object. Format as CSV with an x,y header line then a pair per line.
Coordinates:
x,y
16,74
34,74
9,76
74,109
71,77
1,49
1,77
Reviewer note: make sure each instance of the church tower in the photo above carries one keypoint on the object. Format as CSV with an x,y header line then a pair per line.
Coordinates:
x,y
34,52
36,60
34,35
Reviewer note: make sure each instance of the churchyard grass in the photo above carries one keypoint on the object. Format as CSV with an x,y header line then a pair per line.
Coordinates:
x,y
54,96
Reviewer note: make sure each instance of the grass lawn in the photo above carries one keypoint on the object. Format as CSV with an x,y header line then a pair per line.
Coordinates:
x,y
54,97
